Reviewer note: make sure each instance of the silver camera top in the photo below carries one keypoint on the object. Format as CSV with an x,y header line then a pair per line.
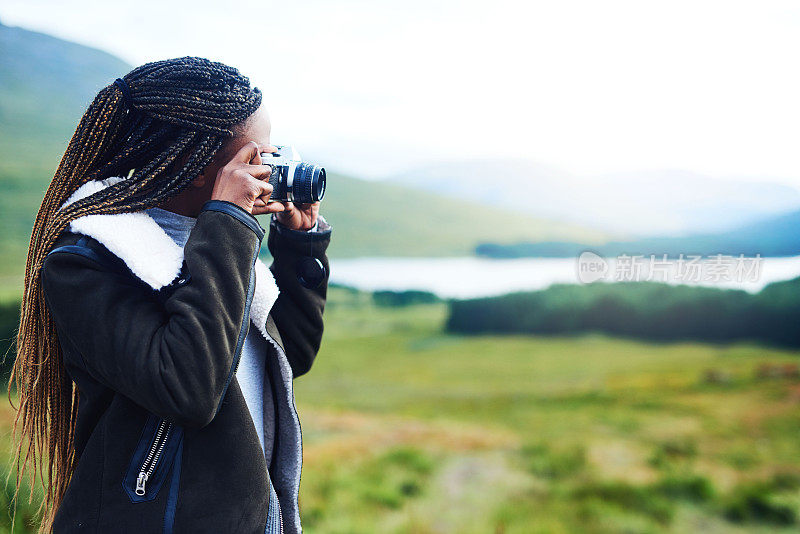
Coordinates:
x,y
285,155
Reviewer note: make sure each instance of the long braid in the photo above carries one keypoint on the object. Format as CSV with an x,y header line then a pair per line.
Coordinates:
x,y
184,111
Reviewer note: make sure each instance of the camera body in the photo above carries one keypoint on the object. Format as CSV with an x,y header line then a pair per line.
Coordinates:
x,y
292,179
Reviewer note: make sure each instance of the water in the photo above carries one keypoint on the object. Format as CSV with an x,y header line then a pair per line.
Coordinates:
x,y
475,277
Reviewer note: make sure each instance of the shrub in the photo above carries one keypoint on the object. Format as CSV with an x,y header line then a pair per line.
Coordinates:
x,y
545,463
754,504
673,450
403,298
692,488
394,477
785,481
642,499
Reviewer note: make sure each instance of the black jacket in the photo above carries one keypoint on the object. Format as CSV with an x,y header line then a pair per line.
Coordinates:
x,y
155,370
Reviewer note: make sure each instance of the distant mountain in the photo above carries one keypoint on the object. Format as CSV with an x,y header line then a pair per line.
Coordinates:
x,y
381,219
635,204
46,85
774,236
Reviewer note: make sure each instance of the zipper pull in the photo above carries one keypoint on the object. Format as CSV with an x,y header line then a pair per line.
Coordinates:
x,y
140,483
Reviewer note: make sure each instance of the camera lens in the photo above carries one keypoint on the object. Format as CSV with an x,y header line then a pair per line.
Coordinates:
x,y
320,185
309,183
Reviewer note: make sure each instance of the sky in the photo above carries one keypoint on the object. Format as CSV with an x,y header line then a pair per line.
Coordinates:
x,y
379,87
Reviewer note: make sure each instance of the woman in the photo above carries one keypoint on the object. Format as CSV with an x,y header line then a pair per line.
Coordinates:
x,y
143,392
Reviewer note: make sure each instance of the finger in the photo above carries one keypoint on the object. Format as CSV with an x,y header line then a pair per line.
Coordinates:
x,y
269,148
246,153
274,207
264,190
311,210
265,208
259,172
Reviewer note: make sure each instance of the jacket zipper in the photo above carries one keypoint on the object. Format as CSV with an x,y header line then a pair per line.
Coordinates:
x,y
150,462
280,514
277,500
294,411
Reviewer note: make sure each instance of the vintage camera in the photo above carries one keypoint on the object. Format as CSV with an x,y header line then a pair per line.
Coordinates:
x,y
292,179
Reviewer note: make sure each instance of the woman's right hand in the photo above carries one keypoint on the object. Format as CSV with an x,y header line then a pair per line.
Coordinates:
x,y
245,182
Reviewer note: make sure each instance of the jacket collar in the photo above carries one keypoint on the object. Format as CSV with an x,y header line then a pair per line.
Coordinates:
x,y
152,255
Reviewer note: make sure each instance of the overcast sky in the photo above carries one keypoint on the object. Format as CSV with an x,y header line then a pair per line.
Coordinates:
x,y
376,87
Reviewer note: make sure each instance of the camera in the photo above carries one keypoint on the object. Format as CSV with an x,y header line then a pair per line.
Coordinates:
x,y
292,179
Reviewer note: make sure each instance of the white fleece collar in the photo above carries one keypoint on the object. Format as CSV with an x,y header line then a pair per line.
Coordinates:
x,y
152,255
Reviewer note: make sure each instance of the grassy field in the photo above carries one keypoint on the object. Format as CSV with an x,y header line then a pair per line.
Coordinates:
x,y
409,430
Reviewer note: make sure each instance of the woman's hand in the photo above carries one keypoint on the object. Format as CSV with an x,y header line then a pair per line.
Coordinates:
x,y
244,181
298,216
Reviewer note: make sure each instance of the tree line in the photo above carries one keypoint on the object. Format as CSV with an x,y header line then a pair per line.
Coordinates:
x,y
644,310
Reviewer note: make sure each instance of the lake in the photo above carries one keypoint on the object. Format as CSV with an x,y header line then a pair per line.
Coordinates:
x,y
475,277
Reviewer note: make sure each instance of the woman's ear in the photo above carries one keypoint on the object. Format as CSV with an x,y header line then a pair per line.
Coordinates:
x,y
199,182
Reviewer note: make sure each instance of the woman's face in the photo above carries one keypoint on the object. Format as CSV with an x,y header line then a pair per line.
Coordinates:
x,y
257,128
190,200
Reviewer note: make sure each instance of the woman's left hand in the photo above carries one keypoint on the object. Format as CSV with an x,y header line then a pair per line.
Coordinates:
x,y
298,216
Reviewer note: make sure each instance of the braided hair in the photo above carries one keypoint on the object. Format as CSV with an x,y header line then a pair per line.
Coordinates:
x,y
160,125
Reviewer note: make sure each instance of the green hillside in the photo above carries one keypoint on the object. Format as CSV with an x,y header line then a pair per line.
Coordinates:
x,y
46,84
384,219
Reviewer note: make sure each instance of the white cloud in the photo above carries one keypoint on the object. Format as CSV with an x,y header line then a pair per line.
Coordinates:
x,y
592,87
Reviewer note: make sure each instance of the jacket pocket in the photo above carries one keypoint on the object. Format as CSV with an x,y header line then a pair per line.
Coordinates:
x,y
152,459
